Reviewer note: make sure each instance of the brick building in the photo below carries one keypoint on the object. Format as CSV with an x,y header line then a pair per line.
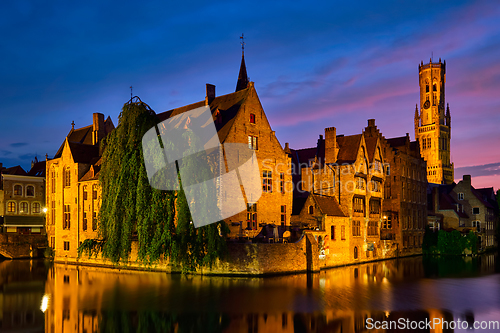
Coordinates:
x,y
73,194
22,199
346,171
405,204
240,118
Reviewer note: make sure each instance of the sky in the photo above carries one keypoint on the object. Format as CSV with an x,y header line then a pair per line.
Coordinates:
x,y
314,65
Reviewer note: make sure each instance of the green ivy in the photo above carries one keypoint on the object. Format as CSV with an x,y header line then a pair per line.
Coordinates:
x,y
159,220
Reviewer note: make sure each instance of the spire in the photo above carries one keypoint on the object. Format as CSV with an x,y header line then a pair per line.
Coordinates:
x,y
242,76
416,111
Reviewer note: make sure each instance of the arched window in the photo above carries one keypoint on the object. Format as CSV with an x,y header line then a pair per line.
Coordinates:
x,y
18,190
23,208
355,252
311,209
11,207
36,208
67,177
30,191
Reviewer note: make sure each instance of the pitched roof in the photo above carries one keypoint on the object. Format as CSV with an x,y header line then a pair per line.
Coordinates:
x,y
397,142
15,170
481,197
84,135
227,106
83,153
37,169
348,148
328,205
93,172
371,145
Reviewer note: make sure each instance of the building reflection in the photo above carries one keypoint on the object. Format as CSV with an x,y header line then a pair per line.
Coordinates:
x,y
88,299
22,285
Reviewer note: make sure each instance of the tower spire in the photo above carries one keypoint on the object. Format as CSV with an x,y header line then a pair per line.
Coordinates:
x,y
242,76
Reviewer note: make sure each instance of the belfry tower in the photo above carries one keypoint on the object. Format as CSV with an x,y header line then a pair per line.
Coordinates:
x,y
433,123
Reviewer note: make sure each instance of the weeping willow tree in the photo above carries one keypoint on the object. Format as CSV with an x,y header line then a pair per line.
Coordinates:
x,y
131,208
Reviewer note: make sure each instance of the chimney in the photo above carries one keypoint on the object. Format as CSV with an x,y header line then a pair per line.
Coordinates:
x,y
210,94
467,180
330,145
97,128
287,148
371,122
435,199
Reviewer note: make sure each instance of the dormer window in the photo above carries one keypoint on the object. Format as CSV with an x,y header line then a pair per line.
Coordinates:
x,y
252,118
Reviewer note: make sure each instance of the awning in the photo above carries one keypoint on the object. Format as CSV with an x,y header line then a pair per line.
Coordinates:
x,y
24,221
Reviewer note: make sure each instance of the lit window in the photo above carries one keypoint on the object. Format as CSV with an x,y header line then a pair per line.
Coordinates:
x,y
23,208
267,181
11,207
18,190
36,208
252,215
252,142
67,177
67,217
282,182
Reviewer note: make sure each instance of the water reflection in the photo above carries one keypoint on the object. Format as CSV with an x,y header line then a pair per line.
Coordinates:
x,y
88,299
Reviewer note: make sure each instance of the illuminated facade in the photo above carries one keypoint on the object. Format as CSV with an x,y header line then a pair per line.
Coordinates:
x,y
433,123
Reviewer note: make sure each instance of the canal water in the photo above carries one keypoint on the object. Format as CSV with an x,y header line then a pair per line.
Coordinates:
x,y
37,296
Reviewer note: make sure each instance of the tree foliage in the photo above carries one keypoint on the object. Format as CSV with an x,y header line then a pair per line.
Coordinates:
x,y
131,209
449,243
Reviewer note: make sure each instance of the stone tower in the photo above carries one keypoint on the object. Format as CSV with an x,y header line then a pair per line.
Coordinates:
x,y
433,123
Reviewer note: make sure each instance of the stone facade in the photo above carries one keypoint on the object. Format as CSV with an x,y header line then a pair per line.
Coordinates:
x,y
432,125
22,200
480,209
405,204
73,194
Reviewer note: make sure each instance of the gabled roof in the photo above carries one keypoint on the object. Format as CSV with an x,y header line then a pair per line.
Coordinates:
x,y
15,170
348,148
228,107
328,205
93,173
371,146
83,153
84,135
397,142
481,197
38,169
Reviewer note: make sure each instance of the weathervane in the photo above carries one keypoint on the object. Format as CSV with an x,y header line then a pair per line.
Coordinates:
x,y
242,44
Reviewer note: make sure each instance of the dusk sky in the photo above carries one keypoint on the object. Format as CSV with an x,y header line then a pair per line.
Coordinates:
x,y
314,65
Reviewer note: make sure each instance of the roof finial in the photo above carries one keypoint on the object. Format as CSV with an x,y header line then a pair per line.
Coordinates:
x,y
72,124
242,42
131,93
